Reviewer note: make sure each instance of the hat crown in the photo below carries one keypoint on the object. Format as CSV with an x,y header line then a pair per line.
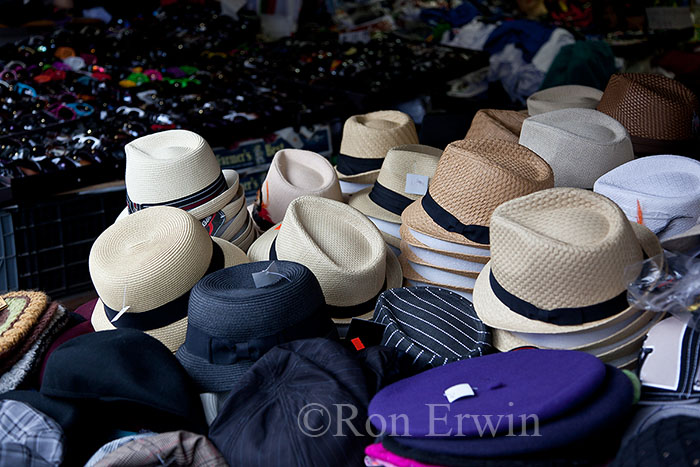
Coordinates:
x,y
563,97
407,159
343,249
473,177
149,258
169,165
497,124
370,136
562,248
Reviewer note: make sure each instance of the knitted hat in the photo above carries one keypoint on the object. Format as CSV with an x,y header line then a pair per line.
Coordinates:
x,y
22,311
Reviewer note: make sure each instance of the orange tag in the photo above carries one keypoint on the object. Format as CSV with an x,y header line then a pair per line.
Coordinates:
x,y
640,214
357,342
278,227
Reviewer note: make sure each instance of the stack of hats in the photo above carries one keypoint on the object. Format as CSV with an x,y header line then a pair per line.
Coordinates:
x,y
579,144
364,144
556,276
570,96
531,407
178,168
403,178
144,266
445,234
29,323
497,124
660,192
343,249
658,112
293,173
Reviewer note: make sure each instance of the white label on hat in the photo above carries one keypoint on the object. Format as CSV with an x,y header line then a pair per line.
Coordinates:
x,y
416,184
121,312
268,276
458,391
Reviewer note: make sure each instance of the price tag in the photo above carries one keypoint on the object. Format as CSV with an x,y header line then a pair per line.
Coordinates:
x,y
458,391
416,184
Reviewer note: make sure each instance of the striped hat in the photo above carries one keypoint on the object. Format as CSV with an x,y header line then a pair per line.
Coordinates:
x,y
432,325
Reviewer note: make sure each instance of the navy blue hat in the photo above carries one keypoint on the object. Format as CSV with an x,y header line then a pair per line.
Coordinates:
x,y
233,321
432,325
284,410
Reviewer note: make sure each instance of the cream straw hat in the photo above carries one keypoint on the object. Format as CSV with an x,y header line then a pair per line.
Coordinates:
x,y
558,260
448,249
497,124
148,262
570,96
450,264
343,249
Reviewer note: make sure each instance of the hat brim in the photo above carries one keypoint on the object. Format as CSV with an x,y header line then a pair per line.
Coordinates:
x,y
363,203
411,274
260,251
210,207
235,213
246,239
415,217
407,253
410,283
408,237
364,177
210,377
172,335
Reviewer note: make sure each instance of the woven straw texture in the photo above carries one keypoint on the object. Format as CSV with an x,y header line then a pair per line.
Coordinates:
x,y
10,358
371,135
497,124
343,249
558,248
17,320
410,274
149,259
294,173
571,96
399,162
173,164
473,178
469,270
650,106
246,237
579,144
410,239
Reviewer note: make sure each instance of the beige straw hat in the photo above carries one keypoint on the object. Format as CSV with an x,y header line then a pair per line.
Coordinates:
x,y
497,124
293,173
343,249
558,260
449,264
570,96
402,179
579,144
176,168
148,262
474,177
444,248
366,140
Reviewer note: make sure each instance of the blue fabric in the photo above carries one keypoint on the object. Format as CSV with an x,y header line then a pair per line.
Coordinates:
x,y
456,17
526,35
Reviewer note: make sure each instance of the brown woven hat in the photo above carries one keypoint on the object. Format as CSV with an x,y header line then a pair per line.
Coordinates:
x,y
497,124
473,178
558,259
19,317
366,140
657,112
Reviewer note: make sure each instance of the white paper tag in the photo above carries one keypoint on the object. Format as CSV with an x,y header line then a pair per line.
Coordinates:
x,y
416,184
458,391
268,276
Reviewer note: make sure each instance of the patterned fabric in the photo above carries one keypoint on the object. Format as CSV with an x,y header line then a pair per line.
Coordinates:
x,y
113,446
433,325
28,437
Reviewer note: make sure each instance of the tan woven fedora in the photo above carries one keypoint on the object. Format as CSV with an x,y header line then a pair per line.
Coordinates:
x,y
366,140
579,144
497,124
657,112
148,262
176,168
402,179
293,173
474,177
558,259
570,96
343,249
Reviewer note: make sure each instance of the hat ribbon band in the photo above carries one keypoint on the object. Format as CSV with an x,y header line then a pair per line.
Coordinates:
x,y
188,202
168,313
263,223
348,165
560,316
341,311
443,218
389,199
660,146
223,351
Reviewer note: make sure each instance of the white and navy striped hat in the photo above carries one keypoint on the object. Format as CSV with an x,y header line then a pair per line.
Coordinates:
x,y
433,325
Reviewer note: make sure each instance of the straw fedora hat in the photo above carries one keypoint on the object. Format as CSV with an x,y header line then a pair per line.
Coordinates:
x,y
497,124
293,173
343,249
558,259
176,168
660,192
444,248
402,179
570,96
389,230
579,144
366,140
148,262
657,112
474,177
449,264
440,278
